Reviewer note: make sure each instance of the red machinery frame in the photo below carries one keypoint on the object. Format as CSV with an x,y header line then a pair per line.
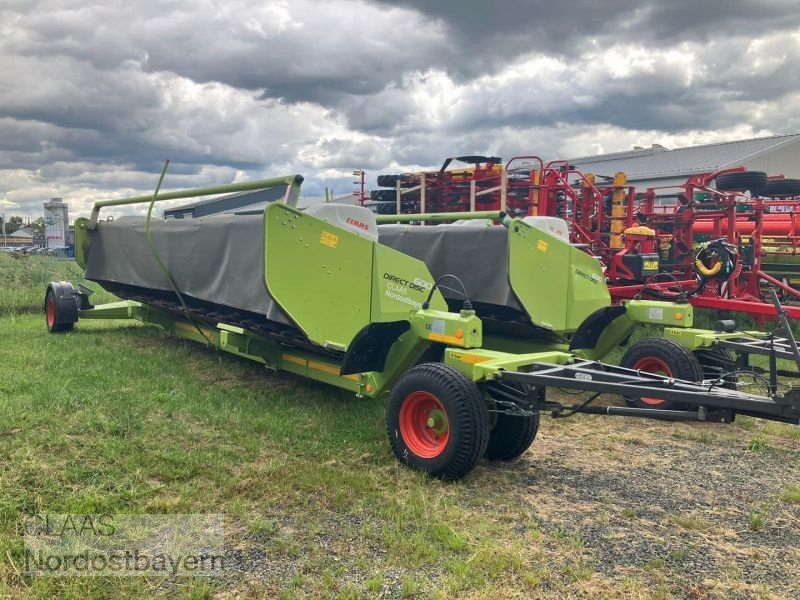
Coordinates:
x,y
611,221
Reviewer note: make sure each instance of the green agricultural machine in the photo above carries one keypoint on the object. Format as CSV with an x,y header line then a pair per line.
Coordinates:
x,y
323,293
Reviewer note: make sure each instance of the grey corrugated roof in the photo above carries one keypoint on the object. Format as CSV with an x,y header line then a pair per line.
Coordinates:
x,y
227,203
658,162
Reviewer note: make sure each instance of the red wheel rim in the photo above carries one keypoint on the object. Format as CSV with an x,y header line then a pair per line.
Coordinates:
x,y
651,364
51,311
424,424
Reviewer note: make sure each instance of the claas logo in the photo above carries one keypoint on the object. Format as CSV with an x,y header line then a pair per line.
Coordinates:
x,y
358,224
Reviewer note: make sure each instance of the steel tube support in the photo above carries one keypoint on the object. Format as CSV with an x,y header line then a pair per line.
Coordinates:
x,y
292,181
453,216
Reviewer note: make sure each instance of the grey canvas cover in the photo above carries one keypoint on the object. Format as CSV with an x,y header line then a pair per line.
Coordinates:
x,y
219,260
478,255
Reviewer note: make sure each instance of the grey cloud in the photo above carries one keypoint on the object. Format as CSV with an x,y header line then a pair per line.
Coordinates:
x,y
93,98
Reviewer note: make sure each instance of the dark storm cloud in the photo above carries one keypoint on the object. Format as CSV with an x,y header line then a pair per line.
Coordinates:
x,y
565,27
93,97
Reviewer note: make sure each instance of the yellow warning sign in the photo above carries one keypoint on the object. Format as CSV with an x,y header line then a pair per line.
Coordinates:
x,y
329,239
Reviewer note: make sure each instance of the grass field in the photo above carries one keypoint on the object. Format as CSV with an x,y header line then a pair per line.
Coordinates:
x,y
117,417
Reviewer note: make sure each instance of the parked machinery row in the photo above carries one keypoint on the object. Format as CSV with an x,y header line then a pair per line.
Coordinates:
x,y
720,239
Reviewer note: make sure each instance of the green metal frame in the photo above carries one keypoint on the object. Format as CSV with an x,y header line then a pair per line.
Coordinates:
x,y
292,194
698,339
494,215
462,329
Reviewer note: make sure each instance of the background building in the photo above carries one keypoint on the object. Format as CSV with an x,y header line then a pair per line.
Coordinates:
x,y
20,238
658,166
56,223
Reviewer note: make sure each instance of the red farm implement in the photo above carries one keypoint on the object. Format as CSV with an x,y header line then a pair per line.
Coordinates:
x,y
720,240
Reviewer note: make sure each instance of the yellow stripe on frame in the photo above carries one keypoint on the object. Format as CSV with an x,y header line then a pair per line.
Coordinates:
x,y
473,359
445,339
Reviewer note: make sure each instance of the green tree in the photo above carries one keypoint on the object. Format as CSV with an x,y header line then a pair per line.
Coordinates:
x,y
12,225
37,226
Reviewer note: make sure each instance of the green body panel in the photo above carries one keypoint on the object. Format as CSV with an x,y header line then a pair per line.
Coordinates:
x,y
557,284
613,335
464,330
82,241
332,282
321,275
658,312
400,284
654,312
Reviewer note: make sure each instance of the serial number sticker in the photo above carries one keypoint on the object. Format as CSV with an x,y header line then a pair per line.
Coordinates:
x,y
437,326
583,377
541,246
329,239
655,314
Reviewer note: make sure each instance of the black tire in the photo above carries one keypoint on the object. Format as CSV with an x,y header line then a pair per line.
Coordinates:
x,y
511,436
465,421
716,364
672,359
741,181
60,307
386,208
781,188
383,195
388,180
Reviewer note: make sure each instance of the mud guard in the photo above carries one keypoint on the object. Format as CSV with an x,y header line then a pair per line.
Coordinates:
x,y
370,347
601,332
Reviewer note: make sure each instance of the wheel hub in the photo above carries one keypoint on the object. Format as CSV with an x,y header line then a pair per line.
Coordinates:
x,y
424,425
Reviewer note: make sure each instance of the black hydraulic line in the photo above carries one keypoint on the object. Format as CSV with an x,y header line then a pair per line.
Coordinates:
x,y
578,408
682,294
467,304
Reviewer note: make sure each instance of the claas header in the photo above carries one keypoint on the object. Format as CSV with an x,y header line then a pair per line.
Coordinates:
x,y
324,293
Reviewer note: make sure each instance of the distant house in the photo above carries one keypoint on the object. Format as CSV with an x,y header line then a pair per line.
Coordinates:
x,y
21,237
658,166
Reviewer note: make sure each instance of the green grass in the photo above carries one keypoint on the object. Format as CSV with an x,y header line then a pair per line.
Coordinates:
x,y
115,417
791,494
23,279
118,417
758,444
689,522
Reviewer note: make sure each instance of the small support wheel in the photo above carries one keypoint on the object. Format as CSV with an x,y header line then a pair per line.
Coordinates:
x,y
662,357
437,421
60,307
512,435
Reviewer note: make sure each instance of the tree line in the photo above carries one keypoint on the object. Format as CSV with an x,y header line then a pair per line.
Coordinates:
x,y
12,224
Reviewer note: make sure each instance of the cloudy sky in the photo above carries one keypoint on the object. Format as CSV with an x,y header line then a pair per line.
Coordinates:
x,y
94,96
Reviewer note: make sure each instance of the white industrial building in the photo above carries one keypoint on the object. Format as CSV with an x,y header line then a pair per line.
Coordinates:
x,y
658,166
56,223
